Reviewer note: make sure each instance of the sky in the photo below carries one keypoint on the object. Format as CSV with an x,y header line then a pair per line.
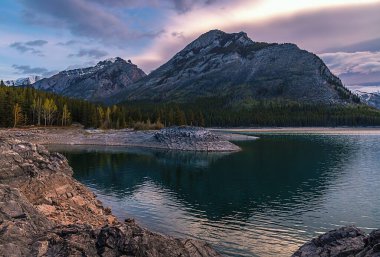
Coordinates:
x,y
42,37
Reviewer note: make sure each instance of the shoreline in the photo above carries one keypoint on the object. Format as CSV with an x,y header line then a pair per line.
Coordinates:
x,y
191,139
303,130
44,211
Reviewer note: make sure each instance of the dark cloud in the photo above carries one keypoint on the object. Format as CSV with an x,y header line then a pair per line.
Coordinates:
x,y
29,46
101,20
68,43
180,6
369,45
92,19
177,34
183,6
93,53
23,48
27,70
36,42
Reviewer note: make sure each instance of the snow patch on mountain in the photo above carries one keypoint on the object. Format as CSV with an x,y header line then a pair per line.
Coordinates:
x,y
23,81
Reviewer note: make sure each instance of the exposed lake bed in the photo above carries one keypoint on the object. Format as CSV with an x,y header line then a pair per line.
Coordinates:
x,y
268,199
183,138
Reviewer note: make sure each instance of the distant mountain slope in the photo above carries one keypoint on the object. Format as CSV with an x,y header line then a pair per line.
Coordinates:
x,y
372,99
94,83
218,64
22,81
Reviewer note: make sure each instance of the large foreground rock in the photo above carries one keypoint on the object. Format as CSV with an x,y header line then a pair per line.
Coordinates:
x,y
45,212
343,242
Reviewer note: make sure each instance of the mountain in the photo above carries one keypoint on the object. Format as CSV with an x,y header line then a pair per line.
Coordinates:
x,y
232,66
371,99
23,81
93,83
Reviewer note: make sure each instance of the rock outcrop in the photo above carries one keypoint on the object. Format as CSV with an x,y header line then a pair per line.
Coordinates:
x,y
233,68
343,242
187,138
45,212
93,83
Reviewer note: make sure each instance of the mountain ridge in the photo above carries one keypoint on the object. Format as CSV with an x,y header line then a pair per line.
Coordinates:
x,y
93,83
24,81
222,64
216,64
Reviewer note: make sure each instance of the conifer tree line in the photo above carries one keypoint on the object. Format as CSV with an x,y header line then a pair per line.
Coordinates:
x,y
25,106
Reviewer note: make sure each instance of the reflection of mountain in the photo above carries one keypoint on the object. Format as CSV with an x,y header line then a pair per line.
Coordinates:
x,y
269,173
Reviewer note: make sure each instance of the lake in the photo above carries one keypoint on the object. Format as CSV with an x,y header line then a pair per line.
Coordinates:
x,y
268,199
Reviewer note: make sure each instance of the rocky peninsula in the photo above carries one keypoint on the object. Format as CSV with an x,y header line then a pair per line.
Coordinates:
x,y
45,212
173,138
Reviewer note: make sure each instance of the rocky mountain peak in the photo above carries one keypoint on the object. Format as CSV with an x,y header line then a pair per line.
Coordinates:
x,y
234,67
92,83
27,81
218,38
114,60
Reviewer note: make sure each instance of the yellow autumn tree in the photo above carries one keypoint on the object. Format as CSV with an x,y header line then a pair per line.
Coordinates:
x,y
17,115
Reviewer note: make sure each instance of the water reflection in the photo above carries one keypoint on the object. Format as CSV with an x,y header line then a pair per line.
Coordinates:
x,y
269,198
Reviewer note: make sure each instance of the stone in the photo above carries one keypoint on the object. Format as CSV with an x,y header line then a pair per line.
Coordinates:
x,y
32,225
187,138
347,241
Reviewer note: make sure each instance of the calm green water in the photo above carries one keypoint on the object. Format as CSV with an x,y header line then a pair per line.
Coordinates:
x,y
266,200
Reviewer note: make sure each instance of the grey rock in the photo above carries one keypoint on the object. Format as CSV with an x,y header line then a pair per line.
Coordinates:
x,y
232,66
188,138
93,83
343,242
48,213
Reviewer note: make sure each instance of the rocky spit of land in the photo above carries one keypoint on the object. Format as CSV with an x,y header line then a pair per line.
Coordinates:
x,y
45,212
172,138
343,242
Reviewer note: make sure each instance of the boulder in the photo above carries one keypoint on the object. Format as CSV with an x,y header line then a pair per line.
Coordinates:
x,y
45,212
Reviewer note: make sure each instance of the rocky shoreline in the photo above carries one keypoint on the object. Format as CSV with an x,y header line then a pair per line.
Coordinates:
x,y
343,242
45,212
172,138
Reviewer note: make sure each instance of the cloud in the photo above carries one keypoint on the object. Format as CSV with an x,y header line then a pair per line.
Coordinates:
x,y
36,42
23,49
27,70
81,66
180,6
313,27
93,53
183,6
29,46
68,43
358,68
85,18
358,62
372,45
